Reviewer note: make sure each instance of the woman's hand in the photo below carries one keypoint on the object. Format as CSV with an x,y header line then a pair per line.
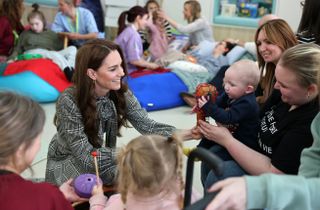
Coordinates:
x,y
218,134
69,193
188,134
232,195
153,66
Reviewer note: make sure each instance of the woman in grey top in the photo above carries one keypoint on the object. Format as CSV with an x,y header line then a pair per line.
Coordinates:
x,y
98,103
198,28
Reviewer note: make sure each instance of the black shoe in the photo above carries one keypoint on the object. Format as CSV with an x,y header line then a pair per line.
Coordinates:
x,y
189,98
68,71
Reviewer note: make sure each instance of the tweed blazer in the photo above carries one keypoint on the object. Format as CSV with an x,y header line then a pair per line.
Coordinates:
x,y
69,153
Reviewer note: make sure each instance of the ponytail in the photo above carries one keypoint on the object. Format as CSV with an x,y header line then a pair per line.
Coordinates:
x,y
132,14
122,22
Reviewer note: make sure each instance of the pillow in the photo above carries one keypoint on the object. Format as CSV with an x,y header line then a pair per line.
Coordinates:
x,y
158,91
178,43
187,66
29,84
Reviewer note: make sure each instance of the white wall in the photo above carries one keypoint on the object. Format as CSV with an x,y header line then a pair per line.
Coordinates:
x,y
289,10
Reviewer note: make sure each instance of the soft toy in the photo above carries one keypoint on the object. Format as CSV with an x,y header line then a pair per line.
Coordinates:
x,y
204,89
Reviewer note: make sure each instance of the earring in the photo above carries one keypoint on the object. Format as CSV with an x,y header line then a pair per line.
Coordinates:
x,y
308,95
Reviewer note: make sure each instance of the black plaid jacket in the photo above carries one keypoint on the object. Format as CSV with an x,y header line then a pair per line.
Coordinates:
x,y
69,151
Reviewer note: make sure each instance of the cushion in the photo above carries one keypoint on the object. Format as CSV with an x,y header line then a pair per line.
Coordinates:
x,y
158,91
178,43
187,66
44,68
29,84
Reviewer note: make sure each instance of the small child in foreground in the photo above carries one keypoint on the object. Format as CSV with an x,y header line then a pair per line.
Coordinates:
x,y
150,176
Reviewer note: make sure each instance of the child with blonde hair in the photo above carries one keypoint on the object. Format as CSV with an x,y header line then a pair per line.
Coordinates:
x,y
150,176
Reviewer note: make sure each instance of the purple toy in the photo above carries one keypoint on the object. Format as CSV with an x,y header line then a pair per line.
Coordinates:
x,y
84,183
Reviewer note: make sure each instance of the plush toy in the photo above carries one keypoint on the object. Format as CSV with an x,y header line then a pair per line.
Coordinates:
x,y
204,89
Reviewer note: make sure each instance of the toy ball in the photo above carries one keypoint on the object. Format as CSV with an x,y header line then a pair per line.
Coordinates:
x,y
84,184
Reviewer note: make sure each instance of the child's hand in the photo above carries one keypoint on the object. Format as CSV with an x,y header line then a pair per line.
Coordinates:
x,y
202,101
196,133
69,193
97,189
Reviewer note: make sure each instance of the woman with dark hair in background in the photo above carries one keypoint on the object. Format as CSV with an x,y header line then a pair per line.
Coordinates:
x,y
309,27
10,15
129,39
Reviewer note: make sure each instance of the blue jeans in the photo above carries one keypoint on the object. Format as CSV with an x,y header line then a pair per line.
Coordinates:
x,y
230,168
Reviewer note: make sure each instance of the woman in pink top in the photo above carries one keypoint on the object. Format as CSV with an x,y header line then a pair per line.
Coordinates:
x,y
150,176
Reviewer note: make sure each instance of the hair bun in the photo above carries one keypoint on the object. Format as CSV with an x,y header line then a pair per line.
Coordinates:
x,y
35,7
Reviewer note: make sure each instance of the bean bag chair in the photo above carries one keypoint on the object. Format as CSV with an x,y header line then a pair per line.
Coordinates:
x,y
158,91
40,79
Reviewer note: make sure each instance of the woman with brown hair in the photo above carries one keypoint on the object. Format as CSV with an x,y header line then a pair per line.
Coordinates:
x,y
10,15
272,39
98,104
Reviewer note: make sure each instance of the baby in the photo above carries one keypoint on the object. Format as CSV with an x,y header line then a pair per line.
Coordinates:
x,y
236,107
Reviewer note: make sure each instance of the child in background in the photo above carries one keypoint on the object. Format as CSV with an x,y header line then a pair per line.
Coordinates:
x,y
21,125
151,6
159,40
150,176
217,59
39,40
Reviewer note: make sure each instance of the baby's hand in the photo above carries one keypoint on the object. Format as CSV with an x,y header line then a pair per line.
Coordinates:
x,y
97,189
202,101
